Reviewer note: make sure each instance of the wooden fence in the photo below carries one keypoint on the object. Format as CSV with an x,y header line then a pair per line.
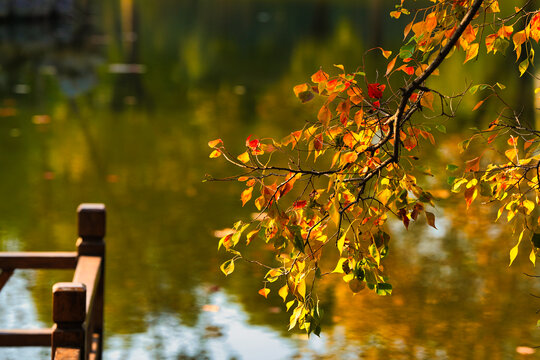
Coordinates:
x,y
77,332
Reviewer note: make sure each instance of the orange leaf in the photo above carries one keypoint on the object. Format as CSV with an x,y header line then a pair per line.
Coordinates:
x,y
264,292
214,143
407,29
472,165
390,66
519,38
427,100
298,89
512,141
478,105
246,195
349,157
470,195
324,115
319,77
386,53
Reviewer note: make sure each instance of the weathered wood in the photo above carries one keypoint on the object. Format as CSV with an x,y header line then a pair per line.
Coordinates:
x,y
77,306
88,272
67,354
69,313
92,225
91,220
38,260
5,274
19,337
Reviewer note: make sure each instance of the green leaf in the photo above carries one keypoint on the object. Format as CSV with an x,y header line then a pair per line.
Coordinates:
x,y
523,66
441,128
475,88
407,51
500,45
451,167
384,289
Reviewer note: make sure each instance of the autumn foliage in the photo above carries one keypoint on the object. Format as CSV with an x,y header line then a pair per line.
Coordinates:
x,y
325,192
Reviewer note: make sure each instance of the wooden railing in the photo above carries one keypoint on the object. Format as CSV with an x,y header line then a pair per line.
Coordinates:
x,y
77,332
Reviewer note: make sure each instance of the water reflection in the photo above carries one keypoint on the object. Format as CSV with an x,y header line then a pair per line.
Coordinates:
x,y
131,109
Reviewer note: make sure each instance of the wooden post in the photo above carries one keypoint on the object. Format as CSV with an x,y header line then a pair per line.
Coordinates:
x,y
90,243
69,313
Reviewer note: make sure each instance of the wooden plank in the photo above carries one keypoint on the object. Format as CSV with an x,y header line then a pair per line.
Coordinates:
x,y
32,337
88,272
67,354
5,274
38,260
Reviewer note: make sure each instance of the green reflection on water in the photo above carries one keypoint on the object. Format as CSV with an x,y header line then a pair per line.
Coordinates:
x,y
135,138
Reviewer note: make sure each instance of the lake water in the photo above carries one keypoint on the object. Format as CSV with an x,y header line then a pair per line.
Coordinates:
x,y
120,111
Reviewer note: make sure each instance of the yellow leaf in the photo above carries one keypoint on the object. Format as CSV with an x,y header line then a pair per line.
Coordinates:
x,y
511,154
283,292
341,243
532,257
289,304
334,211
259,202
340,67
244,157
216,153
529,206
519,38
301,288
515,249
227,267
339,267
472,51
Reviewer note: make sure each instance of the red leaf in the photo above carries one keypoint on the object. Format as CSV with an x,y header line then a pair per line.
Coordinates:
x,y
375,90
299,204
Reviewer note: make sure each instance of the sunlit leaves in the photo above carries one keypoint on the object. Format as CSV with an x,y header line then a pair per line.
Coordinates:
x,y
246,195
264,292
514,251
335,181
227,267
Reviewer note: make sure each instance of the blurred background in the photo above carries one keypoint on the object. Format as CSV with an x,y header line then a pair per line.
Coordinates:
x,y
117,104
